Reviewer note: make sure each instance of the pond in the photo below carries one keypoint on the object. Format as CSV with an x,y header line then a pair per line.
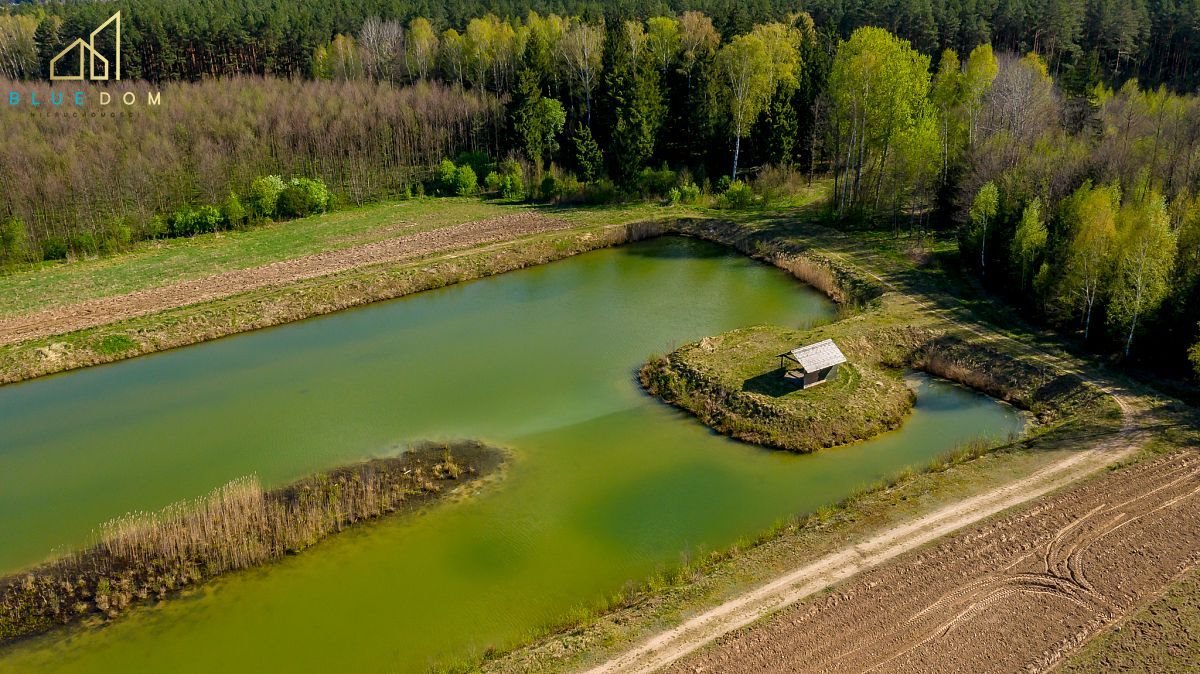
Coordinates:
x,y
605,486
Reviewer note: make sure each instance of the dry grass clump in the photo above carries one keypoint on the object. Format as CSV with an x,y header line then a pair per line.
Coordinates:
x,y
816,275
239,525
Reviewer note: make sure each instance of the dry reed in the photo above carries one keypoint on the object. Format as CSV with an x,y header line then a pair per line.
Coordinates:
x,y
236,526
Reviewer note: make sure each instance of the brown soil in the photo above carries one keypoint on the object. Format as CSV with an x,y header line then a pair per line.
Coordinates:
x,y
1015,594
105,310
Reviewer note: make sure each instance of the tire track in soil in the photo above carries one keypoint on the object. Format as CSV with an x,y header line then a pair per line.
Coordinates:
x,y
1017,594
101,311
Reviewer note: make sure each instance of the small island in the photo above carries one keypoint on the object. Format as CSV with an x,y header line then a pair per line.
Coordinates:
x,y
788,389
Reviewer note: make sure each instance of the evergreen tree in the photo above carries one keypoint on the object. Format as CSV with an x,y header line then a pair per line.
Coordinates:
x,y
588,156
639,109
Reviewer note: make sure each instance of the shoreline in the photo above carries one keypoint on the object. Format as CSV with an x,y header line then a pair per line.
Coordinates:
x,y
329,293
141,558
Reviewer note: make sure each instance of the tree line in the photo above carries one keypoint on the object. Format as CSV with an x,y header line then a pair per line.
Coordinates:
x,y
1075,198
91,186
1159,42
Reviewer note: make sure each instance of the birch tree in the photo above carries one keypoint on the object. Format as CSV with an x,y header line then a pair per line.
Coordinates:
x,y
582,50
1145,259
1091,215
745,81
1030,239
698,41
983,209
878,91
422,47
663,40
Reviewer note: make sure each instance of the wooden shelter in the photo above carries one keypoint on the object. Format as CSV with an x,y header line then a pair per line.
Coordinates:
x,y
813,364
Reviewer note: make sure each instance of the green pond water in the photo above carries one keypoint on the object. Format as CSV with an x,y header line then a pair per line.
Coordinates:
x,y
605,486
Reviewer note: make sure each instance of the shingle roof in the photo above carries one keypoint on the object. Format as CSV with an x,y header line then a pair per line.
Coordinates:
x,y
816,357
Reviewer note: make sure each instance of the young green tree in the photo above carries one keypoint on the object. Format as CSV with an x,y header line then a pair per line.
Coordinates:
x,y
588,156
1030,239
878,91
663,40
983,208
783,124
543,46
744,83
1145,259
978,74
537,120
453,56
422,47
1090,213
947,96
14,241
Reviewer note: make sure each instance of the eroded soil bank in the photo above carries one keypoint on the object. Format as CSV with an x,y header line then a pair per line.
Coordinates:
x,y
144,557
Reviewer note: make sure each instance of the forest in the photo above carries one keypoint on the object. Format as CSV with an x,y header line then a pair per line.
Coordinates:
x,y
1068,166
1158,42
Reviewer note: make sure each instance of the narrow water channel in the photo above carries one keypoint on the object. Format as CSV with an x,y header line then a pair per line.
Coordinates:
x,y
605,486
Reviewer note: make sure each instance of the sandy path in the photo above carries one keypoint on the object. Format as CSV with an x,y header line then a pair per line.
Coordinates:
x,y
667,647
104,310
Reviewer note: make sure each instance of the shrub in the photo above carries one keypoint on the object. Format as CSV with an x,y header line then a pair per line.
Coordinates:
x,y
479,162
263,196
118,236
1195,357
509,181
656,183
14,241
723,184
303,197
739,196
674,196
233,212
182,223
778,181
446,173
549,189
465,181
689,192
208,219
601,192
83,243
190,222
54,248
156,227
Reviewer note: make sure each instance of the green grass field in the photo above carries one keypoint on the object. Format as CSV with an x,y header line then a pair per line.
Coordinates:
x,y
156,263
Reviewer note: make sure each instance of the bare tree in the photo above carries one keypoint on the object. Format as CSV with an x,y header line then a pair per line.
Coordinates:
x,y
582,49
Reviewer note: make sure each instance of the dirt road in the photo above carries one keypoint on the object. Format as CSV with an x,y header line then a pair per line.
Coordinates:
x,y
1018,594
756,654
100,311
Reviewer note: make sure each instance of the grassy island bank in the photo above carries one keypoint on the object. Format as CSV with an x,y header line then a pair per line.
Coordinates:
x,y
143,557
732,383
